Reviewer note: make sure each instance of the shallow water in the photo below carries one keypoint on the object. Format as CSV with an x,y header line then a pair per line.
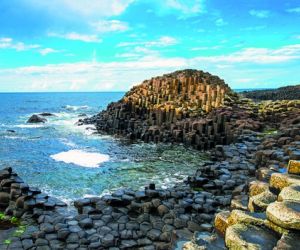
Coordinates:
x,y
68,161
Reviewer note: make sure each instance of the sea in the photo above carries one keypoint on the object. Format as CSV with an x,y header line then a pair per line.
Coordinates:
x,y
69,161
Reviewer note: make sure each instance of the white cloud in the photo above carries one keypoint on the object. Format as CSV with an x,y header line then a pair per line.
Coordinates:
x,y
104,26
294,10
259,64
186,6
9,43
206,48
47,51
163,41
260,13
87,9
257,55
91,76
76,36
6,40
220,22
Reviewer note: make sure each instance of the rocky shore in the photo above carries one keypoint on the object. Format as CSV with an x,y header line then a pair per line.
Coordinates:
x,y
245,197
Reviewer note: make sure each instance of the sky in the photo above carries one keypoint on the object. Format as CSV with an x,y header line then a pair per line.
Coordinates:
x,y
111,45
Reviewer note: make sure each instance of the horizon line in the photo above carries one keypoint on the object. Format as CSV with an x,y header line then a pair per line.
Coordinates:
x,y
99,91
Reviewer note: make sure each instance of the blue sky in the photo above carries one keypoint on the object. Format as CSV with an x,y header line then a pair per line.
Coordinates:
x,y
110,45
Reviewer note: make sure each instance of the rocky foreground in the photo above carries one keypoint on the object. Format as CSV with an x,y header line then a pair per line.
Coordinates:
x,y
245,197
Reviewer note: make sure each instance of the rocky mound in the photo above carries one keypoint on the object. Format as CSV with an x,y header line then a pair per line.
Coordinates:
x,y
170,108
284,93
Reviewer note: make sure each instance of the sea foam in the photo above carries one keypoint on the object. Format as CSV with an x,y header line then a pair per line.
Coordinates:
x,y
81,158
75,108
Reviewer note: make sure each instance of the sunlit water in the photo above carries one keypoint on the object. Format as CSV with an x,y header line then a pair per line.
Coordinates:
x,y
68,161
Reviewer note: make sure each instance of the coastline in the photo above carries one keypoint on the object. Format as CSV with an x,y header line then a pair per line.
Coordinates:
x,y
263,138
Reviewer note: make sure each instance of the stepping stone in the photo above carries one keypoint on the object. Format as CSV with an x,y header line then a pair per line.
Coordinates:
x,y
294,167
242,237
257,187
291,193
285,214
245,217
221,222
259,203
279,181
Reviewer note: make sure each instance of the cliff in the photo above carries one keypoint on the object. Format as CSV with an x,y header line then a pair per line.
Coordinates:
x,y
284,93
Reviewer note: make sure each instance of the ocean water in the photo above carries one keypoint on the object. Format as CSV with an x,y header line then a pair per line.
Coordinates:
x,y
70,162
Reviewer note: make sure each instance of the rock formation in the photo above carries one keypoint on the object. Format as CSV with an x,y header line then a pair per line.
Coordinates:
x,y
264,214
171,108
36,119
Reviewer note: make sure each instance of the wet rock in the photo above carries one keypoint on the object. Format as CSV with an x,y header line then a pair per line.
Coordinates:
x,y
259,202
46,114
245,217
291,193
279,181
108,240
154,234
240,236
36,119
288,241
285,214
257,187
86,223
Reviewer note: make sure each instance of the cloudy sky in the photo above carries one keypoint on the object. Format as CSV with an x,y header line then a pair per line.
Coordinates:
x,y
110,45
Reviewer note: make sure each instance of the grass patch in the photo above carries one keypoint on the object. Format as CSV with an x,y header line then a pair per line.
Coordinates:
x,y
11,222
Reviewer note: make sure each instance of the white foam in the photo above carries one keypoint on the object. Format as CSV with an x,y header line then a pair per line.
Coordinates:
x,y
81,158
29,126
75,108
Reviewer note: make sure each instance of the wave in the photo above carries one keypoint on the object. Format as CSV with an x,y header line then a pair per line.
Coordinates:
x,y
75,108
81,158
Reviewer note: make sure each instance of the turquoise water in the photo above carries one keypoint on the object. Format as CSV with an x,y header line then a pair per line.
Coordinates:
x,y
68,161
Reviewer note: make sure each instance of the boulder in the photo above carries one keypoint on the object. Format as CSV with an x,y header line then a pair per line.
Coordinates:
x,y
257,187
285,214
279,181
259,203
36,119
245,237
294,167
244,217
291,193
221,222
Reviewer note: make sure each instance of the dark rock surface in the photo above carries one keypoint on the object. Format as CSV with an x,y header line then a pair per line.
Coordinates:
x,y
36,119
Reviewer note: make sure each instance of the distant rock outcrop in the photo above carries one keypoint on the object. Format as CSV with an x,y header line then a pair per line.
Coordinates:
x,y
36,119
284,93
